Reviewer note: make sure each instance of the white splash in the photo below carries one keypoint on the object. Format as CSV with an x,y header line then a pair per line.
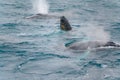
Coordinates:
x,y
40,6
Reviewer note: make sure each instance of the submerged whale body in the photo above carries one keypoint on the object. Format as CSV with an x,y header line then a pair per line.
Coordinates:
x,y
64,25
42,16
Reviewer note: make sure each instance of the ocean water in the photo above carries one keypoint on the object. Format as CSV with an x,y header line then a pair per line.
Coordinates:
x,y
34,49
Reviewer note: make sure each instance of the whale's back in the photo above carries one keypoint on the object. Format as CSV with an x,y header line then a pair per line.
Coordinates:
x,y
86,45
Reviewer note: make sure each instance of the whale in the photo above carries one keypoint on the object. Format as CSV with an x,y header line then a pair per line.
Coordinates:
x,y
42,16
65,26
92,45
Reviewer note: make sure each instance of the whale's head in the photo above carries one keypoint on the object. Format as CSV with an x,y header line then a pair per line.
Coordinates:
x,y
64,24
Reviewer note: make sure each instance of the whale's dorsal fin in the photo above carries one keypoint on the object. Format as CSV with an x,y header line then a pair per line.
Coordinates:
x,y
110,43
64,24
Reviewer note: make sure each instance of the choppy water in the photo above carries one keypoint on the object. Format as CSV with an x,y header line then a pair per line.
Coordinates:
x,y
33,49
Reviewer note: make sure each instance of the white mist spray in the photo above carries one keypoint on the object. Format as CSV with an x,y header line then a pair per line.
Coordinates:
x,y
40,6
96,33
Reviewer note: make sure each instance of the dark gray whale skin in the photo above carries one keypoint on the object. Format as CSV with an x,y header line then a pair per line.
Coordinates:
x,y
42,16
65,25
